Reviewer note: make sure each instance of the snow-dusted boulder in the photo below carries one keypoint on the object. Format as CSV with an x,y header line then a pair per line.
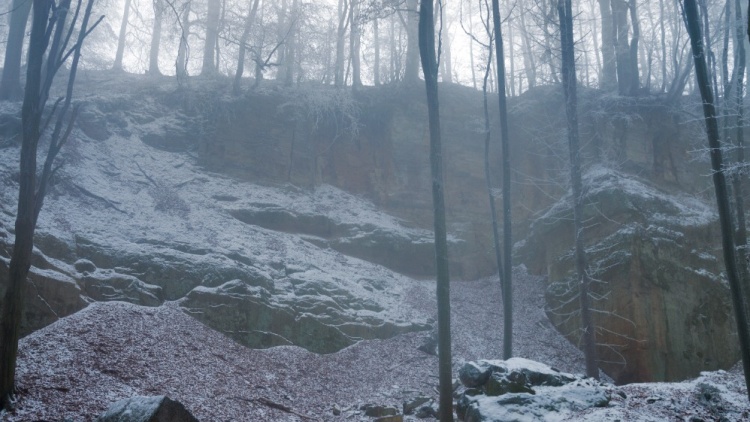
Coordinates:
x,y
520,390
661,300
147,409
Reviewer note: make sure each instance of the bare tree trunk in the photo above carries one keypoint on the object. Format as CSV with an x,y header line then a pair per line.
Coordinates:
x,y
153,56
411,69
737,176
635,84
121,38
290,60
426,46
471,51
512,78
340,42
212,36
354,44
10,84
622,47
249,20
528,55
32,189
609,67
376,47
565,12
720,185
487,173
663,41
507,281
181,62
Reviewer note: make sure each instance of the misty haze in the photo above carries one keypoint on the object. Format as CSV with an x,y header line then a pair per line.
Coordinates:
x,y
374,210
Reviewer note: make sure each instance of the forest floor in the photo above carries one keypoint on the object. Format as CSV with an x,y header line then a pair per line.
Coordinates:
x,y
75,368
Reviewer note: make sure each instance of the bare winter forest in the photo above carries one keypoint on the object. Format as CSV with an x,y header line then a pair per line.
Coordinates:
x,y
389,210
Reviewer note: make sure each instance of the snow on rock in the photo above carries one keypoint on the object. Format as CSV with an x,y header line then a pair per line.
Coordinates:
x,y
134,202
147,409
524,390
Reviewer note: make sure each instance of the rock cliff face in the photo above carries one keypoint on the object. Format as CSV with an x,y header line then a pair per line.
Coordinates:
x,y
661,303
270,216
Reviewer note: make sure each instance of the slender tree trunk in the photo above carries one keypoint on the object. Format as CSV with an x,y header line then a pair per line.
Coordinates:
x,y
622,47
181,62
376,47
663,41
354,44
249,20
487,173
32,188
121,39
737,176
565,12
10,84
471,50
430,68
635,84
153,56
291,45
340,43
528,56
609,67
507,282
512,78
720,185
212,36
411,69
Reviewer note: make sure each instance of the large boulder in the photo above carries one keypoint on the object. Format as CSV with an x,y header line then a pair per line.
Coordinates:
x,y
147,409
661,302
523,390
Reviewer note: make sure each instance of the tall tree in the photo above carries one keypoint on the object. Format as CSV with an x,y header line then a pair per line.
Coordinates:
x,y
48,36
623,57
355,43
430,69
182,50
720,185
343,23
213,17
153,55
10,84
565,12
411,67
506,279
376,54
249,21
122,37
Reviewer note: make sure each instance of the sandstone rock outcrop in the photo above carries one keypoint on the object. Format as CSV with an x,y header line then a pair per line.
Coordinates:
x,y
661,303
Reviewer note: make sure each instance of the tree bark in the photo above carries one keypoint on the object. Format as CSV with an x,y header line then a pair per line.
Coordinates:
x,y
249,20
181,62
32,189
212,36
121,38
635,84
411,67
343,10
426,46
10,84
376,47
354,44
153,56
507,282
565,12
720,185
609,67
